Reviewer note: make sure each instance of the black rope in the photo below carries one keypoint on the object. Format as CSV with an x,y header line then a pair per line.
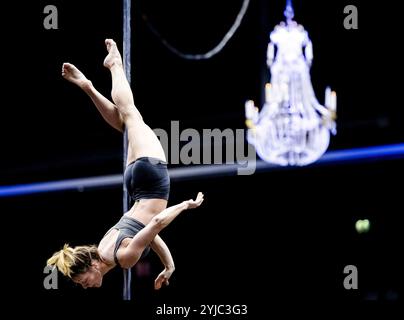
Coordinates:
x,y
210,53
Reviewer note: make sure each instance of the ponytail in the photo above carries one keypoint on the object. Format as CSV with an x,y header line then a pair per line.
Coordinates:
x,y
73,261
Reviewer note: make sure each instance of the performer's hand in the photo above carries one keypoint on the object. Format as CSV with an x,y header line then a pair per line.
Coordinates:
x,y
162,278
195,203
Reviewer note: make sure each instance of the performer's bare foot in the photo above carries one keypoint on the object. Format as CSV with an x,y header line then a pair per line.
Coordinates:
x,y
74,75
113,57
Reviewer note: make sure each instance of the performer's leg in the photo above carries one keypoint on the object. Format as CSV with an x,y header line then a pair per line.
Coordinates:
x,y
121,91
107,109
142,140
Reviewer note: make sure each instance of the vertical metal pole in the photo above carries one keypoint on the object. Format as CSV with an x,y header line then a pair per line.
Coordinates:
x,y
127,275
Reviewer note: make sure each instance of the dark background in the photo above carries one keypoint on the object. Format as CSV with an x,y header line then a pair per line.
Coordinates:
x,y
288,232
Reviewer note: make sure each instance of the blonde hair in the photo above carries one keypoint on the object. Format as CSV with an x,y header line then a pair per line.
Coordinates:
x,y
73,261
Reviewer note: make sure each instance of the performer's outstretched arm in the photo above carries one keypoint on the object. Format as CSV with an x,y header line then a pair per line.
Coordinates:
x,y
128,256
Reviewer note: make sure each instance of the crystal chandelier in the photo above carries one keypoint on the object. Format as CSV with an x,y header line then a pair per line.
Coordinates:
x,y
292,128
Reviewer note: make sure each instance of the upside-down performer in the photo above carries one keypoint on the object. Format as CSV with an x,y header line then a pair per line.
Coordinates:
x,y
147,181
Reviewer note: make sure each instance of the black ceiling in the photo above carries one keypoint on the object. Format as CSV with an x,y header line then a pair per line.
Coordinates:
x,y
50,129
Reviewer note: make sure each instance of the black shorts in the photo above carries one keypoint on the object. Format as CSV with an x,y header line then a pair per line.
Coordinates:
x,y
147,178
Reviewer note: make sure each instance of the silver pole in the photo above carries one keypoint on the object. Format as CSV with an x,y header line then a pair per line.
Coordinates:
x,y
127,275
